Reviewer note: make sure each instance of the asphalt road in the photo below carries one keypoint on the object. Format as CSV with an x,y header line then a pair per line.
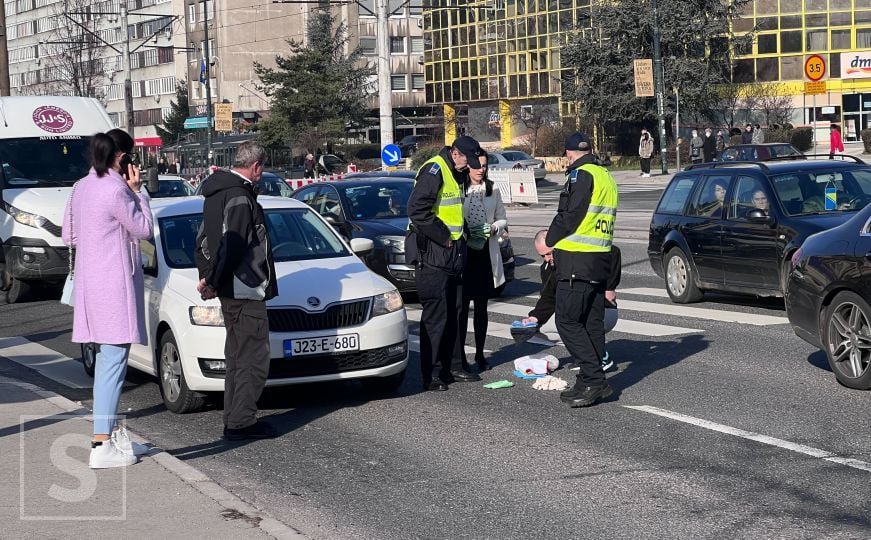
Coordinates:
x,y
517,463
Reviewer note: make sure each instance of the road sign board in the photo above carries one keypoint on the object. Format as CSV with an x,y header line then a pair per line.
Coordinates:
x,y
815,67
643,77
224,117
391,154
814,87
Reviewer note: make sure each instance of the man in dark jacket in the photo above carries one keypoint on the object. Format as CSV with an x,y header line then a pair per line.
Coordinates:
x,y
581,234
747,135
436,245
235,264
709,145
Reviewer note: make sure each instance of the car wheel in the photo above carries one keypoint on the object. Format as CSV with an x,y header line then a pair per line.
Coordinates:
x,y
177,397
384,385
848,340
89,357
18,291
680,283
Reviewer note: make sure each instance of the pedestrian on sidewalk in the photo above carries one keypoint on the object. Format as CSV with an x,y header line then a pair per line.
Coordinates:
x,y
747,136
645,152
758,135
104,220
485,218
696,145
720,145
436,246
836,144
235,265
709,146
309,166
581,234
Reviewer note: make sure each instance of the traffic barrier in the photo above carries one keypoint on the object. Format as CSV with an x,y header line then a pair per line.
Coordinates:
x,y
515,186
296,183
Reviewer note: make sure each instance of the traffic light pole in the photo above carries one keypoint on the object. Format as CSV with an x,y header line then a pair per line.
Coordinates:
x,y
658,77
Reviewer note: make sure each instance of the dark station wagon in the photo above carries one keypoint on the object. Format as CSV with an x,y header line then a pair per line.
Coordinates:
x,y
733,227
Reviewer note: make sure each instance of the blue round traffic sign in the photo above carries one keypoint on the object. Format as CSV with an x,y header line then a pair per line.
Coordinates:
x,y
391,154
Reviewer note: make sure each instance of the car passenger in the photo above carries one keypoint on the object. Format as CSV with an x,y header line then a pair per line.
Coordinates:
x,y
719,195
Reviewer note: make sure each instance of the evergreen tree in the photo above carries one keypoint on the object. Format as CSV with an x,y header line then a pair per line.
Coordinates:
x,y
173,125
317,88
696,47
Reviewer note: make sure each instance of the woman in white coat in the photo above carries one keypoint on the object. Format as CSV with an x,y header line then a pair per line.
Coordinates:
x,y
485,218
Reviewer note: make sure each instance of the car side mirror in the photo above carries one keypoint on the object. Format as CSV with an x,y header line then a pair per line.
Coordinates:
x,y
362,246
149,263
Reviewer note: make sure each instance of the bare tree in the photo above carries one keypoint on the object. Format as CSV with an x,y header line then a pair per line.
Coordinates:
x,y
774,102
74,60
733,99
536,118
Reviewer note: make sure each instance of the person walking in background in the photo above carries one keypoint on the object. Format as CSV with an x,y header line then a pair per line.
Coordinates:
x,y
645,152
161,166
696,145
736,137
758,135
235,265
309,166
173,168
436,246
836,144
719,146
709,145
747,135
105,219
581,234
485,218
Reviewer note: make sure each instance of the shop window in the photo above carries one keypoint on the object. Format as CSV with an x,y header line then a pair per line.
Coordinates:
x,y
766,69
863,38
816,40
840,19
851,103
790,42
791,68
767,44
863,17
841,39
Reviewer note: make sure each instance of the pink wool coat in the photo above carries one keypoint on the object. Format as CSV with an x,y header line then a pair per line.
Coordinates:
x,y
108,221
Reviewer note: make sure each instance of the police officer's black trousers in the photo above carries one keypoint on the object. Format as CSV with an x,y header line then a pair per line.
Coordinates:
x,y
441,296
580,321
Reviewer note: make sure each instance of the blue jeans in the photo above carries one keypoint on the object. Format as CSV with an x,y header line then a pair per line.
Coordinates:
x,y
108,380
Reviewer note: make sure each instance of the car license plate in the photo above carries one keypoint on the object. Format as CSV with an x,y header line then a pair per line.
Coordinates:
x,y
321,345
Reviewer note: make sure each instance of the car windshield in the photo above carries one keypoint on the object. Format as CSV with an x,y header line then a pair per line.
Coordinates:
x,y
273,186
44,161
821,190
516,156
295,234
379,201
172,188
784,150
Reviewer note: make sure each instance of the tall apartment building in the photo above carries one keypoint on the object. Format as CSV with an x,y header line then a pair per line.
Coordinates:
x,y
489,59
39,36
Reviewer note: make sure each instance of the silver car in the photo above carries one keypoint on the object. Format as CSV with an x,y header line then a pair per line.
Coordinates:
x,y
514,159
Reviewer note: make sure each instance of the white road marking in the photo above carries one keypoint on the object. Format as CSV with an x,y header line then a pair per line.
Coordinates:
x,y
702,313
47,362
764,439
414,345
644,291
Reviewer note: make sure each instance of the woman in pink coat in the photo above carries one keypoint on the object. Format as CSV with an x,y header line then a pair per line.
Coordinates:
x,y
105,219
836,144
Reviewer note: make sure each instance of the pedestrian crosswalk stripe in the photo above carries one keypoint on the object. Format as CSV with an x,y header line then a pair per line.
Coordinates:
x,y
47,362
702,313
645,291
414,345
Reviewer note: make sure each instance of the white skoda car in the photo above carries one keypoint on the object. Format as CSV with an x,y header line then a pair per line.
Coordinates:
x,y
333,318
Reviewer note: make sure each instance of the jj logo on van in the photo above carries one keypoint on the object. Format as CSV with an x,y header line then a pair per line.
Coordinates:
x,y
52,119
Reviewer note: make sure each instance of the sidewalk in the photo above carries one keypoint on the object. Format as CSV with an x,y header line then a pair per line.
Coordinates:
x,y
49,492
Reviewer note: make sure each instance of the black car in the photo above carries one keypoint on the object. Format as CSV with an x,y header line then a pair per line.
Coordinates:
x,y
828,297
375,208
761,152
733,227
409,144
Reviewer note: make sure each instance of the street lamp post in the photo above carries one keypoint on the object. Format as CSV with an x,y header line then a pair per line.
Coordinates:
x,y
659,83
677,124
207,73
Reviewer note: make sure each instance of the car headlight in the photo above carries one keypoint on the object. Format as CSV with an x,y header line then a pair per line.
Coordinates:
x,y
382,304
396,243
25,218
206,316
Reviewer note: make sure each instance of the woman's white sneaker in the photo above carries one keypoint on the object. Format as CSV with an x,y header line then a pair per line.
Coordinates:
x,y
122,440
106,454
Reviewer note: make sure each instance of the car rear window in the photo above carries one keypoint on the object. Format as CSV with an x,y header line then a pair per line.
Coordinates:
x,y
675,197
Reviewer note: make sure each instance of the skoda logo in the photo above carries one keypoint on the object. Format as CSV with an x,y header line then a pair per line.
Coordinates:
x,y
314,301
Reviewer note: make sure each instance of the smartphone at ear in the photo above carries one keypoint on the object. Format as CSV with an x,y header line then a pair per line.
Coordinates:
x,y
125,165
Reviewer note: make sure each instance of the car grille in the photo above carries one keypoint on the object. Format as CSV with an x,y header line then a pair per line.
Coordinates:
x,y
335,316
52,229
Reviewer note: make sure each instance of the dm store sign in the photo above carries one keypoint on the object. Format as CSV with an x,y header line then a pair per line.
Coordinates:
x,y
856,65
52,119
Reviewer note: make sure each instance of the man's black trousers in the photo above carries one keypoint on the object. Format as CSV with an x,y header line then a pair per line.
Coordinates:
x,y
441,296
580,321
247,356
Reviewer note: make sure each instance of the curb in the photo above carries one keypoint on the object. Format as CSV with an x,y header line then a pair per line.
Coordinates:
x,y
186,473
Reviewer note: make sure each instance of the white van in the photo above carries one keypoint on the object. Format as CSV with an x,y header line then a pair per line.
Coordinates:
x,y
44,142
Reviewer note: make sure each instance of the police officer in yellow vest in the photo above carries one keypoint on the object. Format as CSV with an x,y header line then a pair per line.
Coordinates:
x,y
581,235
436,245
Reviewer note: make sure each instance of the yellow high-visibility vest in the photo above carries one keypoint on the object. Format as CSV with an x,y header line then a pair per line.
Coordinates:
x,y
449,206
596,231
